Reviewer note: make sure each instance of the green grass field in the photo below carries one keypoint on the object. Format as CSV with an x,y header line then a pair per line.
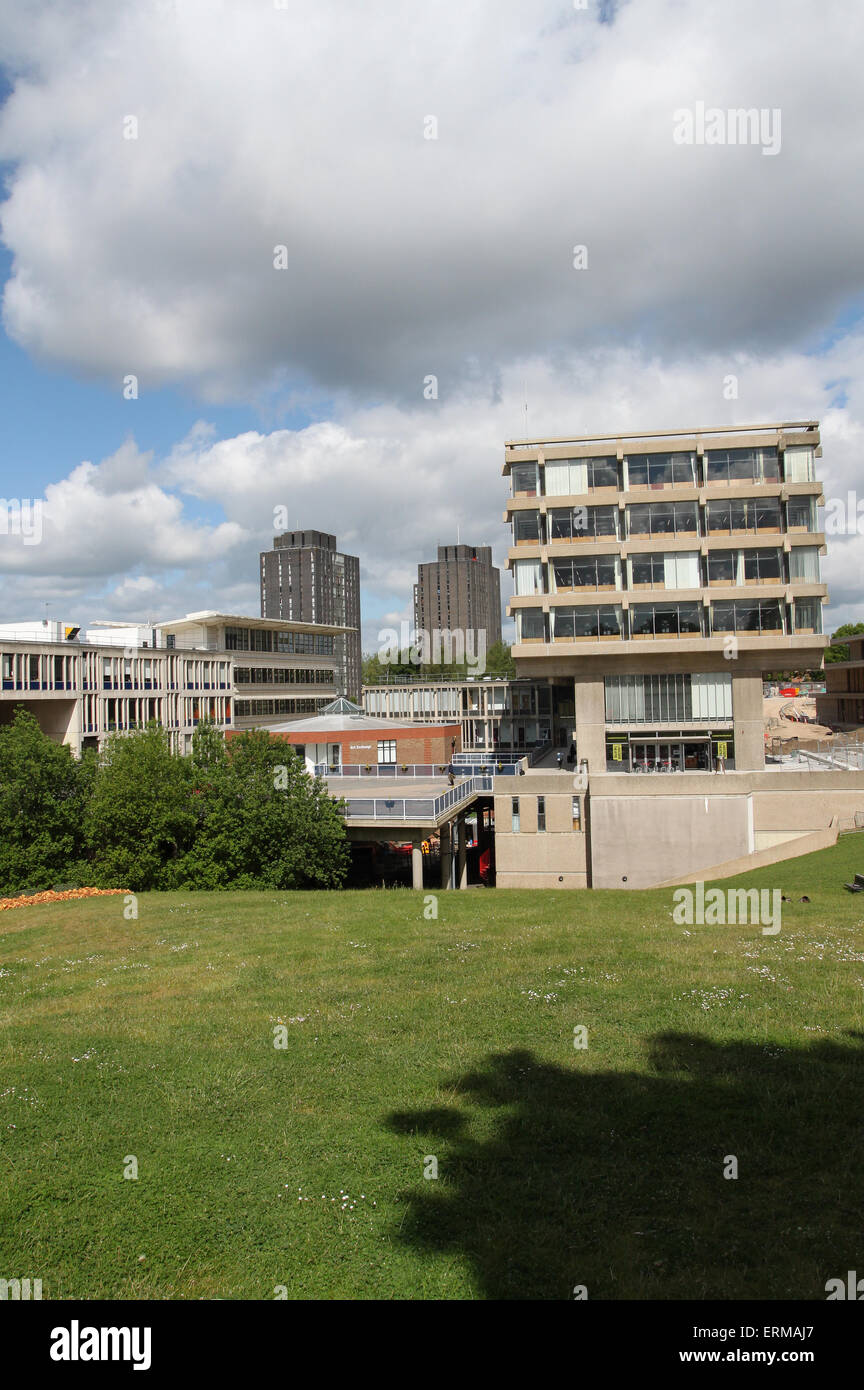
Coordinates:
x,y
453,1038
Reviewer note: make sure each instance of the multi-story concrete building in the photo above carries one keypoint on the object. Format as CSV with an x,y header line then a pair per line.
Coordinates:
x,y
495,713
658,575
240,672
304,578
459,592
842,705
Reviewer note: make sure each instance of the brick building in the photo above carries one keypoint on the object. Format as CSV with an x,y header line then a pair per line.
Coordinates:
x,y
342,735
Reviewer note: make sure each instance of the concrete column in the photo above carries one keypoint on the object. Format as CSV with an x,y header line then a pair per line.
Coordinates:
x,y
461,855
590,720
416,864
446,854
748,721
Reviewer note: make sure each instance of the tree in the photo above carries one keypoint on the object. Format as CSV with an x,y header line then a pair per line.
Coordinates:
x,y
261,821
839,651
499,661
42,796
140,820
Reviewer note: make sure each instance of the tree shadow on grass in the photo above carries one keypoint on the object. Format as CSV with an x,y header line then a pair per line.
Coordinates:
x,y
556,1176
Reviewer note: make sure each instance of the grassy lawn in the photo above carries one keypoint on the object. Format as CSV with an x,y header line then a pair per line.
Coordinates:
x,y
407,1038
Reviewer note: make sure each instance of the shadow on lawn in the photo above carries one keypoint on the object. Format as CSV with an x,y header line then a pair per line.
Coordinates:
x,y
615,1180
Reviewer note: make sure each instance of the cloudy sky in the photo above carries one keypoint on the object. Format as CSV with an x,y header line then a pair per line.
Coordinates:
x,y
282,217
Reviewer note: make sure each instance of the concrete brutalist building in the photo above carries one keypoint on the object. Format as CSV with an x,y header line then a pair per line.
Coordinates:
x,y
657,577
304,578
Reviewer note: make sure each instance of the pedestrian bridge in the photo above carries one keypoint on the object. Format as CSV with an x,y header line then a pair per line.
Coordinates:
x,y
431,804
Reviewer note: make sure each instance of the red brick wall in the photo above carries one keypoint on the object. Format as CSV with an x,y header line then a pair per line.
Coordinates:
x,y
412,745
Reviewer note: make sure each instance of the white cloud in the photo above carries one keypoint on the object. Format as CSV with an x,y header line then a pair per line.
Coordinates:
x,y
303,127
392,483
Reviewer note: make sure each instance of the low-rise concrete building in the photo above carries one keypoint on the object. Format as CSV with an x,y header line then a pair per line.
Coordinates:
x,y
842,705
495,712
240,672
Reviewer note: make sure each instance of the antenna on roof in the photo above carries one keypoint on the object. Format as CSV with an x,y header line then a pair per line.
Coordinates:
x,y
525,394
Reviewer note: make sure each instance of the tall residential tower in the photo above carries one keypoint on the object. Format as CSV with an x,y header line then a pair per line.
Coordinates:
x,y
304,578
461,590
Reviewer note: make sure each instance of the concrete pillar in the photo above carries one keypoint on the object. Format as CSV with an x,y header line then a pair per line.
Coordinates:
x,y
446,854
590,720
748,721
416,864
461,855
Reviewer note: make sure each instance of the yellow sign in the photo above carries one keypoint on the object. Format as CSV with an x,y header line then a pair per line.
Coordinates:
x,y
617,752
722,750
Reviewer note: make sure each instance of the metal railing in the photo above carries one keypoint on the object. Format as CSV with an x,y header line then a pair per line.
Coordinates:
x,y
826,755
476,757
538,753
392,771
412,808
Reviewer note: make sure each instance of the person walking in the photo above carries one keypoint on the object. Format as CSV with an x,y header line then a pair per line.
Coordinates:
x,y
571,754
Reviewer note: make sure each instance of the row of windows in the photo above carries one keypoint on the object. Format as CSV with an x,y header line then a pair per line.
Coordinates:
x,y
262,639
667,699
724,517
560,477
243,709
684,569
280,675
516,814
762,617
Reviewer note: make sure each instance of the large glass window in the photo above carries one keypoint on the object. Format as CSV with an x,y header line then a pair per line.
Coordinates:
x,y
528,577
572,477
801,513
804,564
807,615
763,567
524,479
722,566
799,465
665,620
526,528
580,624
760,616
743,516
647,572
530,625
668,699
663,519
681,570
583,523
676,570
596,572
660,470
742,466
